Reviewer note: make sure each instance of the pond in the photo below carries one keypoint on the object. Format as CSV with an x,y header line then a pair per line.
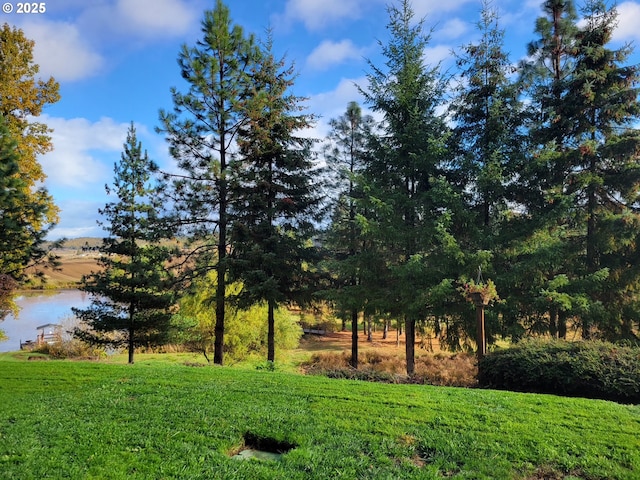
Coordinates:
x,y
39,308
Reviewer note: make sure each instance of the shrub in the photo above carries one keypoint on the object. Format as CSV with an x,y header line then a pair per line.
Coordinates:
x,y
586,369
70,348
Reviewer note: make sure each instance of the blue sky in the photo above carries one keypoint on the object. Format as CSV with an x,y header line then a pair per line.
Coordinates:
x,y
115,61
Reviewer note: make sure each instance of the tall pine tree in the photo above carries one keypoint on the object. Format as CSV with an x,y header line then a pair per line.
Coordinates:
x,y
202,130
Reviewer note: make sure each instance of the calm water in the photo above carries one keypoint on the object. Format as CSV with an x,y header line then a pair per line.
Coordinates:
x,y
40,308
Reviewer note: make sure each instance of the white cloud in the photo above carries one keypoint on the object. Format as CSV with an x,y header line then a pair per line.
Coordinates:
x,y
78,218
67,49
154,17
61,51
628,20
332,104
318,14
452,29
329,53
428,8
78,144
432,56
79,167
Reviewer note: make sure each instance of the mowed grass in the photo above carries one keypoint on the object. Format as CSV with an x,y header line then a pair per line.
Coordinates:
x,y
155,420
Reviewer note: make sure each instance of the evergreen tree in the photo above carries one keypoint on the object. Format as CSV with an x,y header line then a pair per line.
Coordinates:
x,y
489,143
201,131
576,247
488,133
605,175
132,291
21,242
345,153
274,194
406,190
538,272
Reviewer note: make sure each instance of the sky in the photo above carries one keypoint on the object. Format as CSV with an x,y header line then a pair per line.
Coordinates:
x,y
116,61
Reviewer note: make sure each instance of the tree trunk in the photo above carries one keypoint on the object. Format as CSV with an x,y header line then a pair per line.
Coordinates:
x,y
562,326
271,334
553,322
221,267
131,333
385,330
354,338
218,346
410,344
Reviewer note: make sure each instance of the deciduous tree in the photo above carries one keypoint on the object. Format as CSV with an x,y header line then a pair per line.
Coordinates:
x,y
23,97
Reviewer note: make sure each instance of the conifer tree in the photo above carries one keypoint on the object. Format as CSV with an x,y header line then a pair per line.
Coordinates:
x,y
488,133
489,143
202,130
345,153
274,194
605,175
21,242
406,190
538,280
132,291
579,189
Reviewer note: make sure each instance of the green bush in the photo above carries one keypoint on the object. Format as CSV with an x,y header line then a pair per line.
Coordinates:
x,y
585,369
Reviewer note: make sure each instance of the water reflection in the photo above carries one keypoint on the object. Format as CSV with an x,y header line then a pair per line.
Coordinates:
x,y
39,308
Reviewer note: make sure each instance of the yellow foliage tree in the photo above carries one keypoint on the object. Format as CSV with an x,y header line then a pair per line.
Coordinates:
x,y
22,98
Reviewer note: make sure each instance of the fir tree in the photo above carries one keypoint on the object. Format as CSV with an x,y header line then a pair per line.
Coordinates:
x,y
132,291
489,143
406,190
345,153
274,194
605,174
538,265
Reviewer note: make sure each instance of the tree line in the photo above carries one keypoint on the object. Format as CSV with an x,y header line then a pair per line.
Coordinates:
x,y
527,173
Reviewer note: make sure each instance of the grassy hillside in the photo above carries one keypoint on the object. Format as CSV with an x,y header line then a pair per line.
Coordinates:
x,y
169,420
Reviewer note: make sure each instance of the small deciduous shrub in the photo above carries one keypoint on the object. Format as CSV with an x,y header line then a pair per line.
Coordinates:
x,y
586,369
70,348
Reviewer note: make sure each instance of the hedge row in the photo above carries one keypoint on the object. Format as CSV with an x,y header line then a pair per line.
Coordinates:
x,y
584,369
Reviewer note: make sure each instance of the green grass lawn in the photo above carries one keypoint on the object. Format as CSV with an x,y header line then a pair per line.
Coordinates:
x,y
158,419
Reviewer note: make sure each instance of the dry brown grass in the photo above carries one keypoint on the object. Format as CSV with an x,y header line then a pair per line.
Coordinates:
x,y
72,268
388,364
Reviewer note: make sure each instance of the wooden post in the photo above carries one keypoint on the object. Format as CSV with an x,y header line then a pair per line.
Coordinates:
x,y
481,339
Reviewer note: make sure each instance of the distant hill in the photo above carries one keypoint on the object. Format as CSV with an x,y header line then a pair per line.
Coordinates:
x,y
81,242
